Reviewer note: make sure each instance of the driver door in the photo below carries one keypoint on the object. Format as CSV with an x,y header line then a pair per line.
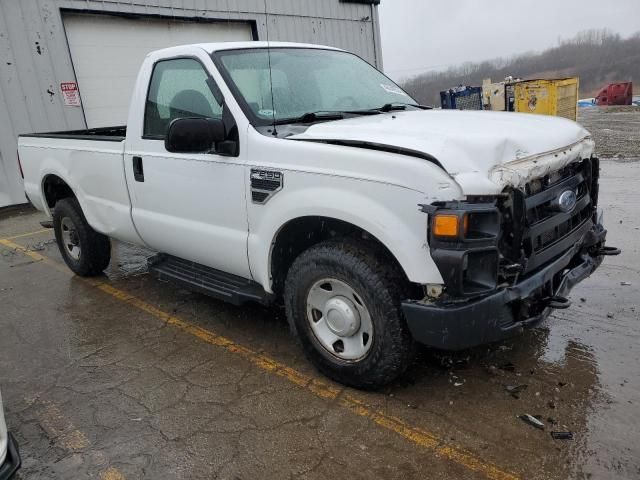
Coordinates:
x,y
188,205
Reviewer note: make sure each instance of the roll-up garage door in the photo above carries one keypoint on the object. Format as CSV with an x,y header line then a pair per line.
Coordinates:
x,y
107,52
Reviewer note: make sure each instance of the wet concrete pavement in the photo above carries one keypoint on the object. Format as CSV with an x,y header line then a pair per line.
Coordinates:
x,y
129,377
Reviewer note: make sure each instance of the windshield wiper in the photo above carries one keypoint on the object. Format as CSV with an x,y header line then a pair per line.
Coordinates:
x,y
311,117
326,115
389,107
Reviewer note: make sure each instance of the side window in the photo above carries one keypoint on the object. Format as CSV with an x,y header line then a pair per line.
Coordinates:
x,y
178,89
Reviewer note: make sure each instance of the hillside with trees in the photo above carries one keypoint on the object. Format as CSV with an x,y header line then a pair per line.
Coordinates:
x,y
598,57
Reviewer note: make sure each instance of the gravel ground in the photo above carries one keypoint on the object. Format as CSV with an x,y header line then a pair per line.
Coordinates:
x,y
616,131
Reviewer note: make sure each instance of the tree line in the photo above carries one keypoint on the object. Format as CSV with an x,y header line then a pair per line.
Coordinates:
x,y
598,57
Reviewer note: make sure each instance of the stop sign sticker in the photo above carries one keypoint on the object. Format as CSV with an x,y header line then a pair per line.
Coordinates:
x,y
70,94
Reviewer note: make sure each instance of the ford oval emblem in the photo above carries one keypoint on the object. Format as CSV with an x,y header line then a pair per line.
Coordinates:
x,y
567,201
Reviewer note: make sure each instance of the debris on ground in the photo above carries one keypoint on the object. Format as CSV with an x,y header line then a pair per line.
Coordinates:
x,y
531,420
562,435
40,246
514,390
551,404
448,361
625,284
609,315
509,367
458,384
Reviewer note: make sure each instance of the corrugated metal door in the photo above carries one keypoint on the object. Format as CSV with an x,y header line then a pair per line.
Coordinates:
x,y
107,52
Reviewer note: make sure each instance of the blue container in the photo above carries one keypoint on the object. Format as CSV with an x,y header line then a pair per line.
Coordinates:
x,y
462,98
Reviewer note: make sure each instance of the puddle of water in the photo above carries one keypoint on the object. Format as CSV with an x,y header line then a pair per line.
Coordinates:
x,y
127,260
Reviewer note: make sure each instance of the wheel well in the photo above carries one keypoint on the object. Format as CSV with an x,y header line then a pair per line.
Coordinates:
x,y
300,234
55,189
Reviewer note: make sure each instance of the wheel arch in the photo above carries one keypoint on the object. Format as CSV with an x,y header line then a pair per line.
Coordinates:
x,y
300,233
55,188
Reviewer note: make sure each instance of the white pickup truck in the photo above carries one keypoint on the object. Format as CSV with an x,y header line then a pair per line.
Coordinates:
x,y
275,171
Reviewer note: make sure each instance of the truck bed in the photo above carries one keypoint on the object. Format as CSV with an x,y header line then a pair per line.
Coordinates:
x,y
91,163
105,134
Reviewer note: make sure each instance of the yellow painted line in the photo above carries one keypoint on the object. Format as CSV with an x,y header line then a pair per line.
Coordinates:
x,y
62,431
34,255
59,428
427,440
112,474
30,234
316,386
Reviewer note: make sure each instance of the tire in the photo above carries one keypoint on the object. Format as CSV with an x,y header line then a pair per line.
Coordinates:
x,y
86,252
375,287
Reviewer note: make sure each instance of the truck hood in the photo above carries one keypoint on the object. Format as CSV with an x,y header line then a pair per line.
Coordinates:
x,y
483,151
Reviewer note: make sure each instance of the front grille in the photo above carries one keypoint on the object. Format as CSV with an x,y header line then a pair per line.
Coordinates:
x,y
536,231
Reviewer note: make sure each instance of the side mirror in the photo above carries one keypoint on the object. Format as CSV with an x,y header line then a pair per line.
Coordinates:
x,y
194,135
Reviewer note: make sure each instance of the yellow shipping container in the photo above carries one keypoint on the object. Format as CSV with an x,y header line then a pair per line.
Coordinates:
x,y
548,97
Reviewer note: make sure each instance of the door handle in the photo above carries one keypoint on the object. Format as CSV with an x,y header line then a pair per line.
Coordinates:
x,y
138,170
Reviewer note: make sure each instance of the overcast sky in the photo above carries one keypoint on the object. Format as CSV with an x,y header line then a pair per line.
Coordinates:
x,y
419,35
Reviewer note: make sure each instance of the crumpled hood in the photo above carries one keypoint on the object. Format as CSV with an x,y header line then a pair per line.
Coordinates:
x,y
483,151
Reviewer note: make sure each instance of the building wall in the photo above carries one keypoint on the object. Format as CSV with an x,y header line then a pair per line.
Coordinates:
x,y
35,58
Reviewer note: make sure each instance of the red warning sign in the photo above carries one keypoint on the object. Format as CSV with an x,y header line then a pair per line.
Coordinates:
x,y
70,94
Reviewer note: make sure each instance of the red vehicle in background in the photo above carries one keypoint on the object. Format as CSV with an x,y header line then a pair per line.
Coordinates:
x,y
615,94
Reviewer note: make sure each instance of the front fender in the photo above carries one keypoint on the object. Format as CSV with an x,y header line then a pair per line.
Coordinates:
x,y
389,213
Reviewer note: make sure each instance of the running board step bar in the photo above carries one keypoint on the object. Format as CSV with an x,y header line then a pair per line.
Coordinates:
x,y
208,281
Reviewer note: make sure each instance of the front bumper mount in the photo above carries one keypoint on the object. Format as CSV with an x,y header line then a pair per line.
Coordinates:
x,y
459,325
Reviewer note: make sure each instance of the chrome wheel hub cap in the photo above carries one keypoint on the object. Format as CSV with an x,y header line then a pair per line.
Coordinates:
x,y
342,317
70,238
339,319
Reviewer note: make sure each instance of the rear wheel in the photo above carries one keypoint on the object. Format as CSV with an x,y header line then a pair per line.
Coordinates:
x,y
343,301
85,251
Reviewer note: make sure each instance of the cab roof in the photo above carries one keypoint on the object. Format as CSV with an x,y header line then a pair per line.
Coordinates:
x,y
221,46
216,47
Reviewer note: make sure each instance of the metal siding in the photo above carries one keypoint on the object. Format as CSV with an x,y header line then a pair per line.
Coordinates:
x,y
10,184
25,75
9,181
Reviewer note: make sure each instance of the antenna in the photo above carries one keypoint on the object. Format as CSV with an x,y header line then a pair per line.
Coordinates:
x,y
273,106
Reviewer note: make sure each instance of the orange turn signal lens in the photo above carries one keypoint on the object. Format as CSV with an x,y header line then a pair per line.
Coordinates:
x,y
446,225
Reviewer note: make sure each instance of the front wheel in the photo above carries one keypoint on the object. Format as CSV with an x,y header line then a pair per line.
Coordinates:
x,y
343,301
86,252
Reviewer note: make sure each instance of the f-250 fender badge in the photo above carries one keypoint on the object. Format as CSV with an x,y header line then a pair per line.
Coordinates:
x,y
265,184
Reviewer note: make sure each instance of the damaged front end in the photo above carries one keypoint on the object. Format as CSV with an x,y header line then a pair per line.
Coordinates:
x,y
514,258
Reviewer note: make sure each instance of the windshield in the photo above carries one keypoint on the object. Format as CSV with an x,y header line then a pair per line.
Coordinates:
x,y
306,80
